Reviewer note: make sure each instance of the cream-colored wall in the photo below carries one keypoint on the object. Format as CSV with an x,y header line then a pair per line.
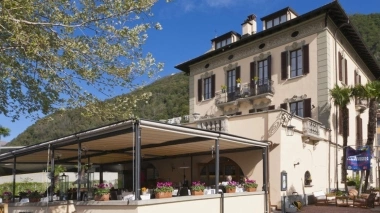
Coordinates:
x,y
242,204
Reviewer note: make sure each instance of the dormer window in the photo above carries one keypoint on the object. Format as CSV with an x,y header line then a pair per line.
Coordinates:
x,y
225,39
278,17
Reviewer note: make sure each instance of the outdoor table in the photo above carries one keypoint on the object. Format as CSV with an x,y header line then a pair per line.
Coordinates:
x,y
343,199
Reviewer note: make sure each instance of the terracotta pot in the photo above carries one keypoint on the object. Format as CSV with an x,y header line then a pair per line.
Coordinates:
x,y
250,189
104,197
231,190
6,200
34,200
163,194
197,192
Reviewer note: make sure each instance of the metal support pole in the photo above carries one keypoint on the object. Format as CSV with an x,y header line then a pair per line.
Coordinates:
x,y
52,178
265,177
79,169
216,166
137,160
88,175
191,169
101,174
14,178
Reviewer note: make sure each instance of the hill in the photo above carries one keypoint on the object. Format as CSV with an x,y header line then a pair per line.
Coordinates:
x,y
170,98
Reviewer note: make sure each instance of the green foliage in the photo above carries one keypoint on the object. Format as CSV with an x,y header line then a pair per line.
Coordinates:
x,y
353,181
62,54
23,187
169,98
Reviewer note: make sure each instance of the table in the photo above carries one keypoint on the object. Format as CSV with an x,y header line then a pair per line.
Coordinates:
x,y
343,199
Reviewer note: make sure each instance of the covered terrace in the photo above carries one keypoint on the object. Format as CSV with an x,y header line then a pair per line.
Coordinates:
x,y
129,143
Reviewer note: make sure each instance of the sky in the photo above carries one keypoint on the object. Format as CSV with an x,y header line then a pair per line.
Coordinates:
x,y
189,26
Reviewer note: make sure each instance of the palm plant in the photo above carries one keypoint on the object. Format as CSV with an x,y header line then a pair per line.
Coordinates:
x,y
4,131
342,97
371,92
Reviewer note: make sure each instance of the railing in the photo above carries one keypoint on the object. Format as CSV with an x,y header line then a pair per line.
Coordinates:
x,y
261,86
219,124
359,101
311,127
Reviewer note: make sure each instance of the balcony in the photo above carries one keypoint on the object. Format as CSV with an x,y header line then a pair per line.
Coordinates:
x,y
311,129
263,88
361,104
219,124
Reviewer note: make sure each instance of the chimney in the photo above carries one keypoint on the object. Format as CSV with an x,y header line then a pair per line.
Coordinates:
x,y
249,26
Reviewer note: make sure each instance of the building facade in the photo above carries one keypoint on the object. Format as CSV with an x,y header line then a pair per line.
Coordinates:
x,y
261,84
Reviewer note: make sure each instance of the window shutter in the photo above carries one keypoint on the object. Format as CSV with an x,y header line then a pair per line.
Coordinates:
x,y
284,65
252,73
348,122
284,106
271,107
199,89
213,86
305,57
360,80
345,72
307,108
359,130
269,67
355,78
238,73
340,67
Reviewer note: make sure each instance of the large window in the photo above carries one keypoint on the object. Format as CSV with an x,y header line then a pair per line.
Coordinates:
x,y
297,108
276,21
207,88
296,63
231,81
263,72
226,167
223,43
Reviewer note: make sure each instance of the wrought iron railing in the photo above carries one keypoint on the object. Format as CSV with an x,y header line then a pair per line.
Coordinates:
x,y
261,86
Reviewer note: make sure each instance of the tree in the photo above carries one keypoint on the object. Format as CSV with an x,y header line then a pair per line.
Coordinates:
x,y
342,97
4,131
371,92
66,54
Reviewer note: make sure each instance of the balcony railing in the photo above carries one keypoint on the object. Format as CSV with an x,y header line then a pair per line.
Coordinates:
x,y
261,86
360,104
219,124
311,128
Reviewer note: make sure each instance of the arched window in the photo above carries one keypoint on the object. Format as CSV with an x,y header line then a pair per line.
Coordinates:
x,y
226,167
307,178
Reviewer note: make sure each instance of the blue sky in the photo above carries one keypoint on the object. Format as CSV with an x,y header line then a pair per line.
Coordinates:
x,y
189,25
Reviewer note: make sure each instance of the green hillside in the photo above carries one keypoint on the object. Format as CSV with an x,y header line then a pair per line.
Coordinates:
x,y
170,98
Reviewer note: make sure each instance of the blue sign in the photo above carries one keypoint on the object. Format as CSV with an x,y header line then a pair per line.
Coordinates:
x,y
359,159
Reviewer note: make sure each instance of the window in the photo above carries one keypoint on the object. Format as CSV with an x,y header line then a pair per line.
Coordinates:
x,y
342,69
263,72
207,88
276,21
296,63
226,167
297,60
231,81
223,43
297,108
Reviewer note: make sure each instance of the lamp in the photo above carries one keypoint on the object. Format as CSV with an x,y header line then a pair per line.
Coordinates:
x,y
290,130
63,186
284,181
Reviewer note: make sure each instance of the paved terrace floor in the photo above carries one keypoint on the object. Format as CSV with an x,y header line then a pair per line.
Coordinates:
x,y
335,209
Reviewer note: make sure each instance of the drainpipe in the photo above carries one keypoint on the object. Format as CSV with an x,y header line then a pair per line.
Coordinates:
x,y
14,178
52,180
79,169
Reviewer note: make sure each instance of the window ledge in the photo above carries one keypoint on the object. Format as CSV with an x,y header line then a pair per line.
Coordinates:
x,y
309,185
300,76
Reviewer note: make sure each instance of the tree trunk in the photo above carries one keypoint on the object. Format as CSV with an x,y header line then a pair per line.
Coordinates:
x,y
345,136
371,133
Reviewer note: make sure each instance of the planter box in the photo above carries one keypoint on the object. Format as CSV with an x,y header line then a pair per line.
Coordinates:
x,y
250,189
197,192
231,190
104,197
163,194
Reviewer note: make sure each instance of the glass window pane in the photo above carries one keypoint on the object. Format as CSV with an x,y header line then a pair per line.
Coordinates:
x,y
283,19
229,41
276,21
269,24
300,109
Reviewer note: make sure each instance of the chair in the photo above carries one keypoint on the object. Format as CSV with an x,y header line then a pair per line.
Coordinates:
x,y
366,200
113,194
321,198
184,191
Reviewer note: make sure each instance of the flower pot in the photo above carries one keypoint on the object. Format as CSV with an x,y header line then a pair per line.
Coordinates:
x,y
6,200
197,192
34,200
250,189
144,193
163,194
104,197
231,190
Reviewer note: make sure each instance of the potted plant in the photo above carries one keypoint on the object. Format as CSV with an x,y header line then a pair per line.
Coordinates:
x,y
223,88
351,185
250,185
102,192
24,194
7,196
197,188
231,187
34,196
163,190
255,79
238,81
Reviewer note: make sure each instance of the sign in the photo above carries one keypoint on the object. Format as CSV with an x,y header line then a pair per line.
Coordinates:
x,y
359,159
